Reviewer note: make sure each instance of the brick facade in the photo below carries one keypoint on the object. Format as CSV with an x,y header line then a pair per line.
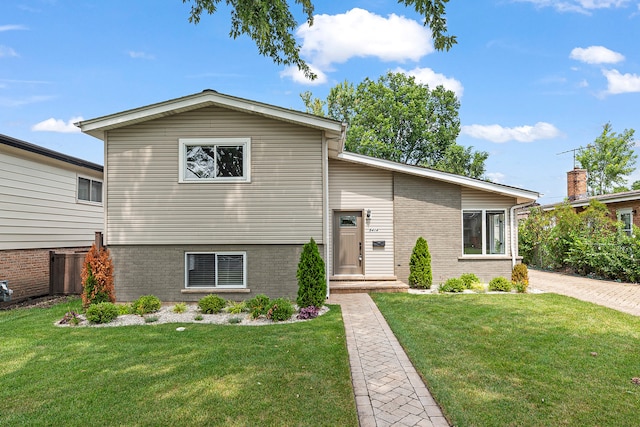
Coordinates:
x,y
160,270
27,270
432,209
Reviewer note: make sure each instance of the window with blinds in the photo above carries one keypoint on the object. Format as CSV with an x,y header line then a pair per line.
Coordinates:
x,y
215,270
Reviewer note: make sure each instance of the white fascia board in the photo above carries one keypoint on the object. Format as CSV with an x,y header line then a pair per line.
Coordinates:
x,y
96,127
521,195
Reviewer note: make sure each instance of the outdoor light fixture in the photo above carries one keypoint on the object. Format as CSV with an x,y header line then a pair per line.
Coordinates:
x,y
368,213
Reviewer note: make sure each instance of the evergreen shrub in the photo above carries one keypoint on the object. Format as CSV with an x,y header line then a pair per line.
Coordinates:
x,y
312,282
469,279
211,304
97,277
452,285
420,275
146,304
103,312
281,309
500,284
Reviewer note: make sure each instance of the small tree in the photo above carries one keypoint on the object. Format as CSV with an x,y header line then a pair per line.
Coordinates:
x,y
97,277
420,275
312,283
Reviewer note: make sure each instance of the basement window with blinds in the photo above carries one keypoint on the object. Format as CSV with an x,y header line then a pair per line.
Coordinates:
x,y
215,270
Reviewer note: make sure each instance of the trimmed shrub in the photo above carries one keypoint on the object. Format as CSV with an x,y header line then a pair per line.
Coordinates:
x,y
103,312
258,305
281,309
124,309
500,284
520,273
97,277
312,283
452,285
146,304
310,312
211,304
420,275
469,279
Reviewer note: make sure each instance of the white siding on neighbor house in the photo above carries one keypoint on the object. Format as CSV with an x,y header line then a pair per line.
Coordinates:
x,y
147,205
478,200
38,204
358,188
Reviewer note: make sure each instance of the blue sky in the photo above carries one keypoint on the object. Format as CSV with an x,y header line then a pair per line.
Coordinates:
x,y
534,77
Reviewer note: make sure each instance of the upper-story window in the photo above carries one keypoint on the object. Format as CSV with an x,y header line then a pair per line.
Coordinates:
x,y
626,217
215,159
89,190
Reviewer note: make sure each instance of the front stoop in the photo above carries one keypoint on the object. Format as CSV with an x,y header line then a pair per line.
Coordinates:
x,y
367,286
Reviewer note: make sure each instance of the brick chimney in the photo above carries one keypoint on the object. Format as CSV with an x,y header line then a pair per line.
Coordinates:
x,y
577,184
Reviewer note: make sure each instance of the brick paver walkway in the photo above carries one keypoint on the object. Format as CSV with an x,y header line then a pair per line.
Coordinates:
x,y
388,390
624,297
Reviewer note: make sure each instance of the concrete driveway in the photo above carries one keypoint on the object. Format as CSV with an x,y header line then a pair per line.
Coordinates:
x,y
624,297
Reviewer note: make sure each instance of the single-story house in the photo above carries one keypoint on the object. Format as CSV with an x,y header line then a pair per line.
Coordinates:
x,y
623,206
49,201
211,193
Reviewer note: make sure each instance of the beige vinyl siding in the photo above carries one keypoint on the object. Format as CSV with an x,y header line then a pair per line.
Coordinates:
x,y
358,188
479,200
38,207
147,205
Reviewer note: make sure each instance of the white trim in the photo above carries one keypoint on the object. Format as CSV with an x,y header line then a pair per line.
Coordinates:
x,y
97,127
325,204
626,211
246,158
518,193
91,181
244,269
483,232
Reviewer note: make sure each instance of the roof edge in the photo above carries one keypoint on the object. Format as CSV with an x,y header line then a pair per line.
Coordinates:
x,y
36,149
521,195
97,126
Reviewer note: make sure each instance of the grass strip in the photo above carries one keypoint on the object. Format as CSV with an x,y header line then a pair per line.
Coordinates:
x,y
521,360
286,375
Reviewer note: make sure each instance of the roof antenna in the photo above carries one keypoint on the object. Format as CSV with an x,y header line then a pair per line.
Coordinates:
x,y
574,153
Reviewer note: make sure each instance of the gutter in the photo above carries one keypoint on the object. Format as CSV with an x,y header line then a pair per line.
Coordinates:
x,y
514,230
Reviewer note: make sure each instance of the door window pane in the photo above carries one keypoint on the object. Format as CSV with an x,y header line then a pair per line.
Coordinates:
x,y
348,221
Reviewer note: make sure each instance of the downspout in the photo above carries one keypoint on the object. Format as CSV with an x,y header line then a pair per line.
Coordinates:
x,y
325,184
514,230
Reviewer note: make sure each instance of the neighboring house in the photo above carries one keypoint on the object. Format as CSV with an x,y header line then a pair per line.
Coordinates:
x,y
211,193
48,202
624,206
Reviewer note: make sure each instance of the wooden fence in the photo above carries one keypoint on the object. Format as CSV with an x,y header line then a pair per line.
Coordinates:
x,y
65,269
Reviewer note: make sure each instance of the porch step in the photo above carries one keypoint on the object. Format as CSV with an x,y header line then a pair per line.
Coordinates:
x,y
364,286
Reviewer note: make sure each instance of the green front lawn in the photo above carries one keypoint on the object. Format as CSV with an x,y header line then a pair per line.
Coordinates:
x,y
285,375
521,360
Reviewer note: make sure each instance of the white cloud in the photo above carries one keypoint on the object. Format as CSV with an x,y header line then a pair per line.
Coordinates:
x,y
140,55
579,6
496,177
596,55
433,79
12,27
57,125
298,76
7,51
360,33
621,83
497,133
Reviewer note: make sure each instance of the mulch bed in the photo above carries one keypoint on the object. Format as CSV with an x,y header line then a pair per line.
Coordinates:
x,y
37,302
